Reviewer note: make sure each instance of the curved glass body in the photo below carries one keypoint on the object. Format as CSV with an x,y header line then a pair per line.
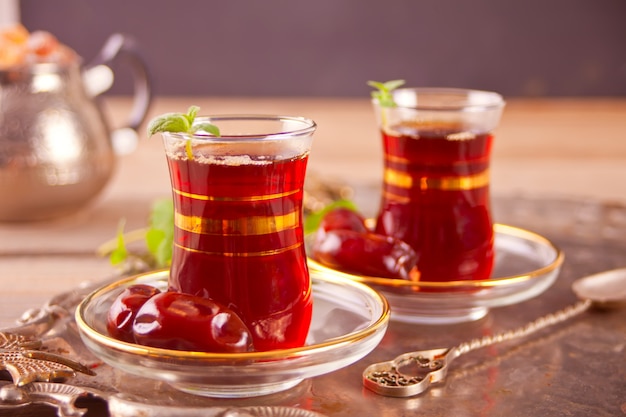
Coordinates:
x,y
238,235
437,147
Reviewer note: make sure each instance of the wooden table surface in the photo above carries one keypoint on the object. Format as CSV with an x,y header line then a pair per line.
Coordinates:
x,y
571,148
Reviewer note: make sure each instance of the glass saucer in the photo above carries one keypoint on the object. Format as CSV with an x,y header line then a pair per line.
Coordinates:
x,y
526,264
349,320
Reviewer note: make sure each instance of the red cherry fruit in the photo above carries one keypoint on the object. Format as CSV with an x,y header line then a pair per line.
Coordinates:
x,y
343,219
365,254
124,309
174,320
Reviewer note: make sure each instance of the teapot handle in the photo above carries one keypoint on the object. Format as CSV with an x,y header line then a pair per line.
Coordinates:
x,y
99,77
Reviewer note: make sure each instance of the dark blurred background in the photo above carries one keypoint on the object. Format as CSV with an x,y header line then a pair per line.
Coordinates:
x,y
332,47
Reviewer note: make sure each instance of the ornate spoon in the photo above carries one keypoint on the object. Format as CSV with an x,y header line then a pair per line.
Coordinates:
x,y
606,289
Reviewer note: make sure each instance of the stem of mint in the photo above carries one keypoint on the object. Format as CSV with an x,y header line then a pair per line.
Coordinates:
x,y
383,91
119,254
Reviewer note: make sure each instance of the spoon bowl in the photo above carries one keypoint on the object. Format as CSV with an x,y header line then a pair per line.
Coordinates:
x,y
605,289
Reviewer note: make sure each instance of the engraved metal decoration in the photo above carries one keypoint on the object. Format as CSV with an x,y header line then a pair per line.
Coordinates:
x,y
19,355
32,369
413,373
63,398
60,396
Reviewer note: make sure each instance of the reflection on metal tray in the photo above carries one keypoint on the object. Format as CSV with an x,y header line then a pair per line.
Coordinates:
x,y
564,368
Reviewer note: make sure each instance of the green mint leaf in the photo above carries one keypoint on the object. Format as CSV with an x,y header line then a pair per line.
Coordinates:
x,y
180,123
162,214
206,127
159,247
192,112
383,91
160,234
169,122
377,85
154,237
393,84
312,221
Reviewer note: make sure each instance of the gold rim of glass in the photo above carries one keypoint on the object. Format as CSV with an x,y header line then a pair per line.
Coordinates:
x,y
161,354
484,283
467,99
302,126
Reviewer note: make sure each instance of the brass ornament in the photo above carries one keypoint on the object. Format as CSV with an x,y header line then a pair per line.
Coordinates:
x,y
21,358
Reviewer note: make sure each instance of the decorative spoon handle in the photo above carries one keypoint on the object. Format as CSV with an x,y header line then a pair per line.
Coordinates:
x,y
428,367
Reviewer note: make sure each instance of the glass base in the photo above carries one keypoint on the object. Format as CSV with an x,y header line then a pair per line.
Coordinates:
x,y
451,316
233,391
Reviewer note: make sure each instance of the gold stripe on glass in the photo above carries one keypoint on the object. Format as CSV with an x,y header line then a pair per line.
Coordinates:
x,y
397,159
244,198
242,254
245,226
465,182
395,197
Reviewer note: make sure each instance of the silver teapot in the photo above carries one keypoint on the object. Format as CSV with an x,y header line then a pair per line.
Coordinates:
x,y
57,151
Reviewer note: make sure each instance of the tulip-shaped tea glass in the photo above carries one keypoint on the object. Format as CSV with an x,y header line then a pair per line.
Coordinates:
x,y
437,144
238,236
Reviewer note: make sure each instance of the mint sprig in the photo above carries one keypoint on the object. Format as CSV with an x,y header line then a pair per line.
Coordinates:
x,y
158,238
383,91
181,123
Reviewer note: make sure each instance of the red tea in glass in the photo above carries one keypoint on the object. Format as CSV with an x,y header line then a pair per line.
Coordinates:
x,y
238,236
437,146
